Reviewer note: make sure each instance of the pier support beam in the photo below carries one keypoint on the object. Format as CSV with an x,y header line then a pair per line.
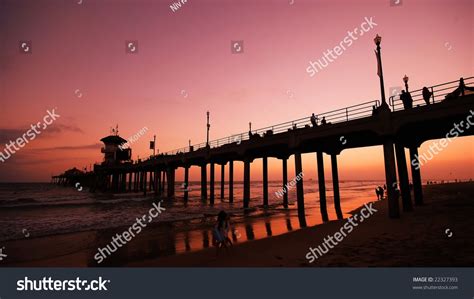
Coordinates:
x,y
204,182
416,175
322,187
211,183
246,183
159,189
130,180
144,173
299,189
335,186
403,178
285,182
140,181
163,182
186,182
135,181
156,182
231,181
124,182
115,182
265,181
391,179
222,180
171,178
152,181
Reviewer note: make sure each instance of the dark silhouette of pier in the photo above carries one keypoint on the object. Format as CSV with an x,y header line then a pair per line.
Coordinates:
x,y
361,125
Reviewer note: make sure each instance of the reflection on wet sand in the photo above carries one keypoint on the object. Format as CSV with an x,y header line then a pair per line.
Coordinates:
x,y
268,227
164,239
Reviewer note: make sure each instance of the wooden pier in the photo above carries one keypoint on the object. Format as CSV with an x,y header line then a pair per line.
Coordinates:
x,y
362,125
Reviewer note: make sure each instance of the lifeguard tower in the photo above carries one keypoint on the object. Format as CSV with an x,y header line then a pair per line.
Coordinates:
x,y
115,149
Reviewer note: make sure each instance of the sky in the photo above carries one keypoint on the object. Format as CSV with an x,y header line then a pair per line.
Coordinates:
x,y
77,64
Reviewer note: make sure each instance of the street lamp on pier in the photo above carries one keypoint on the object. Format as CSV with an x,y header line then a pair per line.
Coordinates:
x,y
208,126
405,79
377,41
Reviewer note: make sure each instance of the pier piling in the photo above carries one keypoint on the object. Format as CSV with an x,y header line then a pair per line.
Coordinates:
x,y
416,176
403,178
322,187
335,186
285,181
265,181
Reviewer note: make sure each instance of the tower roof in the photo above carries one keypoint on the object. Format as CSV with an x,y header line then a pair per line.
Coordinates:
x,y
113,139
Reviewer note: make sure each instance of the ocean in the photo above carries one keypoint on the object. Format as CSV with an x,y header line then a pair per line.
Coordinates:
x,y
46,209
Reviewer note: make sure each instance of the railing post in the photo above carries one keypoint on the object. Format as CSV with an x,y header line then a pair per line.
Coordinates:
x,y
432,94
347,115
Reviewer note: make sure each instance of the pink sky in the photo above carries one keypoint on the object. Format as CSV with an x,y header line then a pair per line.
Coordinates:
x,y
82,47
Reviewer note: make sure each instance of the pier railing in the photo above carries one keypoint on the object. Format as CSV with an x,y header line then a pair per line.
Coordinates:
x,y
336,116
438,94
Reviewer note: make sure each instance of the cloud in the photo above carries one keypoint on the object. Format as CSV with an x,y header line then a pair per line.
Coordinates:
x,y
11,134
94,146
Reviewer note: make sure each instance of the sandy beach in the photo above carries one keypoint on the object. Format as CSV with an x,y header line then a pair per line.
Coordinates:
x,y
417,239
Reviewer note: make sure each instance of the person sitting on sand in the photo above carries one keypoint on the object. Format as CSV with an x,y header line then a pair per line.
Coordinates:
x,y
221,231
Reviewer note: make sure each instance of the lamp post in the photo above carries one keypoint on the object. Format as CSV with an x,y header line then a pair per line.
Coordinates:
x,y
405,79
208,126
377,41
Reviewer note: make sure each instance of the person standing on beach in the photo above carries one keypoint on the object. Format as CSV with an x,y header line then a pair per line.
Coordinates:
x,y
221,231
379,192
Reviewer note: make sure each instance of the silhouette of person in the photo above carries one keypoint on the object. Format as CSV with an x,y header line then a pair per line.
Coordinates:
x,y
409,100
221,231
323,121
458,91
427,95
406,99
314,120
379,192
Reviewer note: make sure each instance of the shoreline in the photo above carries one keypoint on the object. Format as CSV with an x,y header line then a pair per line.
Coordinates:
x,y
380,242
273,249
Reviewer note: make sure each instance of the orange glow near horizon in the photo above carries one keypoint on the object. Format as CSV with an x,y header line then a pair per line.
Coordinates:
x,y
184,67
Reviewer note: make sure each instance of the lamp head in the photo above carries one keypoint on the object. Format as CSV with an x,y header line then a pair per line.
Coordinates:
x,y
377,39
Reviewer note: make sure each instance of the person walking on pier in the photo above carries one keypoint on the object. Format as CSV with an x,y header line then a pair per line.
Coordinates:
x,y
323,121
406,99
427,95
314,120
460,91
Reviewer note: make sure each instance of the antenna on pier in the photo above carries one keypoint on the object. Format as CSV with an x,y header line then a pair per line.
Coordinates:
x,y
114,131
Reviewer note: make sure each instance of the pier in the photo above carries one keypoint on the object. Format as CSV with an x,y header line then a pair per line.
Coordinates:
x,y
370,123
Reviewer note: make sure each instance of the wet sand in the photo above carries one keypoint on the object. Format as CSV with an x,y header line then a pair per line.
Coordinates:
x,y
417,239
